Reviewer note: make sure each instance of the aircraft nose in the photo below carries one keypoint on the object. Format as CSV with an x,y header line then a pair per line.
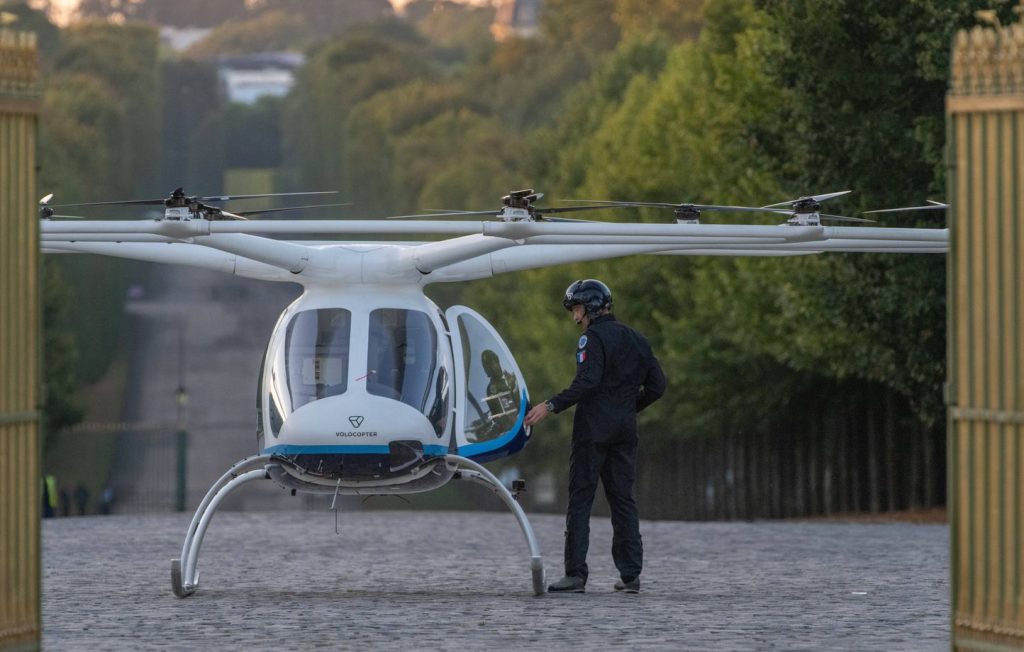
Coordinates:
x,y
356,420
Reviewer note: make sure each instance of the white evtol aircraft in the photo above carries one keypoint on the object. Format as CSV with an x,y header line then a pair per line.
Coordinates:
x,y
367,387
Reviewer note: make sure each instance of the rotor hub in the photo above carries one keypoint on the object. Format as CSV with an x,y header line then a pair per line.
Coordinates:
x,y
517,206
687,214
806,205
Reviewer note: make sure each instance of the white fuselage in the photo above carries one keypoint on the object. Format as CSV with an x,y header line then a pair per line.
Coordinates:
x,y
359,389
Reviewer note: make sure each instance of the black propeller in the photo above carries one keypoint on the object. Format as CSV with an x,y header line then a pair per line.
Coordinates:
x,y
517,200
46,212
812,204
687,212
932,206
195,205
290,208
178,199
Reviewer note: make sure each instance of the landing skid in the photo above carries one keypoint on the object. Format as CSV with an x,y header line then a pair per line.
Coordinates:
x,y
185,572
479,474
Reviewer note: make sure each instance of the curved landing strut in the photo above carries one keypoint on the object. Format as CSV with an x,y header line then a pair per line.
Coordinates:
x,y
184,575
478,473
185,572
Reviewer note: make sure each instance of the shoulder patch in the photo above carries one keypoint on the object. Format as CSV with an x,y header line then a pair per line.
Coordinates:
x,y
582,343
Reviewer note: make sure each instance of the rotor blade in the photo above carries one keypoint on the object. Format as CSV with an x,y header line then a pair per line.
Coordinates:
x,y
69,217
701,207
454,214
272,194
290,208
538,209
936,203
934,206
231,216
137,202
569,209
829,195
842,218
624,203
713,207
160,202
566,219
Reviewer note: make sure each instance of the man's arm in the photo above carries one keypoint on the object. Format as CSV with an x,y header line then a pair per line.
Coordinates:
x,y
653,386
589,370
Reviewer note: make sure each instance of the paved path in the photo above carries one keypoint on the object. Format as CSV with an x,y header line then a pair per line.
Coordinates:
x,y
221,324
419,580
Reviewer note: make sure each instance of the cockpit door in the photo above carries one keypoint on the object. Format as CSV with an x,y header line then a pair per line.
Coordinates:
x,y
491,397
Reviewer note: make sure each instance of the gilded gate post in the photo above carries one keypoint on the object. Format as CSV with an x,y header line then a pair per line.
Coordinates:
x,y
985,125
19,345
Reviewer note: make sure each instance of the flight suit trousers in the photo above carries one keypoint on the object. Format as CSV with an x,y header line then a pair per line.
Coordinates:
x,y
614,463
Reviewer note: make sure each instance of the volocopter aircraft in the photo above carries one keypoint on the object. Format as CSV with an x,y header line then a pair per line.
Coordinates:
x,y
367,387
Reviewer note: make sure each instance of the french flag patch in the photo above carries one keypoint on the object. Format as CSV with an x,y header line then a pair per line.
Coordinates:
x,y
581,356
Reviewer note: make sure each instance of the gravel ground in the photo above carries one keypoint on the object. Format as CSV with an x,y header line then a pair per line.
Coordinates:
x,y
420,580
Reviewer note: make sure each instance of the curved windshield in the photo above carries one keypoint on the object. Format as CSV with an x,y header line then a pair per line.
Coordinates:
x,y
492,391
402,363
312,364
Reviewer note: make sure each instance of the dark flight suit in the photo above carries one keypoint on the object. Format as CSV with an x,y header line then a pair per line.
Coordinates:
x,y
617,375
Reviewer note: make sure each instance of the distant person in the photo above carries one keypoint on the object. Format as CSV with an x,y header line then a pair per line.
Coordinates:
x,y
617,376
106,499
81,499
65,502
49,496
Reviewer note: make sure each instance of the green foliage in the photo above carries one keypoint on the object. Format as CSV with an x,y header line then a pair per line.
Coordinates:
x,y
583,26
192,144
338,77
252,134
61,407
273,31
180,13
328,17
678,19
463,30
618,100
98,140
123,58
80,121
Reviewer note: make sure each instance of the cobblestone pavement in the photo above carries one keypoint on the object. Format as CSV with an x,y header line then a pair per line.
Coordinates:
x,y
419,580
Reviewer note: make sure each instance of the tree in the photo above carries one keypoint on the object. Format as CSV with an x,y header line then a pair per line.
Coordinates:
x,y
272,31
329,17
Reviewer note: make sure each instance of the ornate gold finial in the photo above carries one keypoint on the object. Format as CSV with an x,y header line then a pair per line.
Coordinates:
x,y
989,59
989,16
18,64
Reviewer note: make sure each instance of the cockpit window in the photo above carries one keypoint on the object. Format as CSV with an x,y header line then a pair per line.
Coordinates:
x,y
402,362
493,396
317,355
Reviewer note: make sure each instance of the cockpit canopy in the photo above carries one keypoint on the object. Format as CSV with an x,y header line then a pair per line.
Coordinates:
x,y
467,386
402,362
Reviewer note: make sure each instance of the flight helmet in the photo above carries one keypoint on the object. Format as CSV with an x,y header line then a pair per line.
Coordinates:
x,y
592,294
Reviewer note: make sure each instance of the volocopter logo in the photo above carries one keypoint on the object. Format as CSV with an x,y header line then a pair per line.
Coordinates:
x,y
355,421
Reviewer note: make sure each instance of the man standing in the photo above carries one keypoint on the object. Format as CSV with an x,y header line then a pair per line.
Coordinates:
x,y
617,375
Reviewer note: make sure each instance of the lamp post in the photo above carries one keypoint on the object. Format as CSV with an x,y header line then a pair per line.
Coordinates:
x,y
181,437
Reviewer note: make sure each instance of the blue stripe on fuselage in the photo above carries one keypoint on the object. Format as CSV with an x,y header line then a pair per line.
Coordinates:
x,y
510,442
294,449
